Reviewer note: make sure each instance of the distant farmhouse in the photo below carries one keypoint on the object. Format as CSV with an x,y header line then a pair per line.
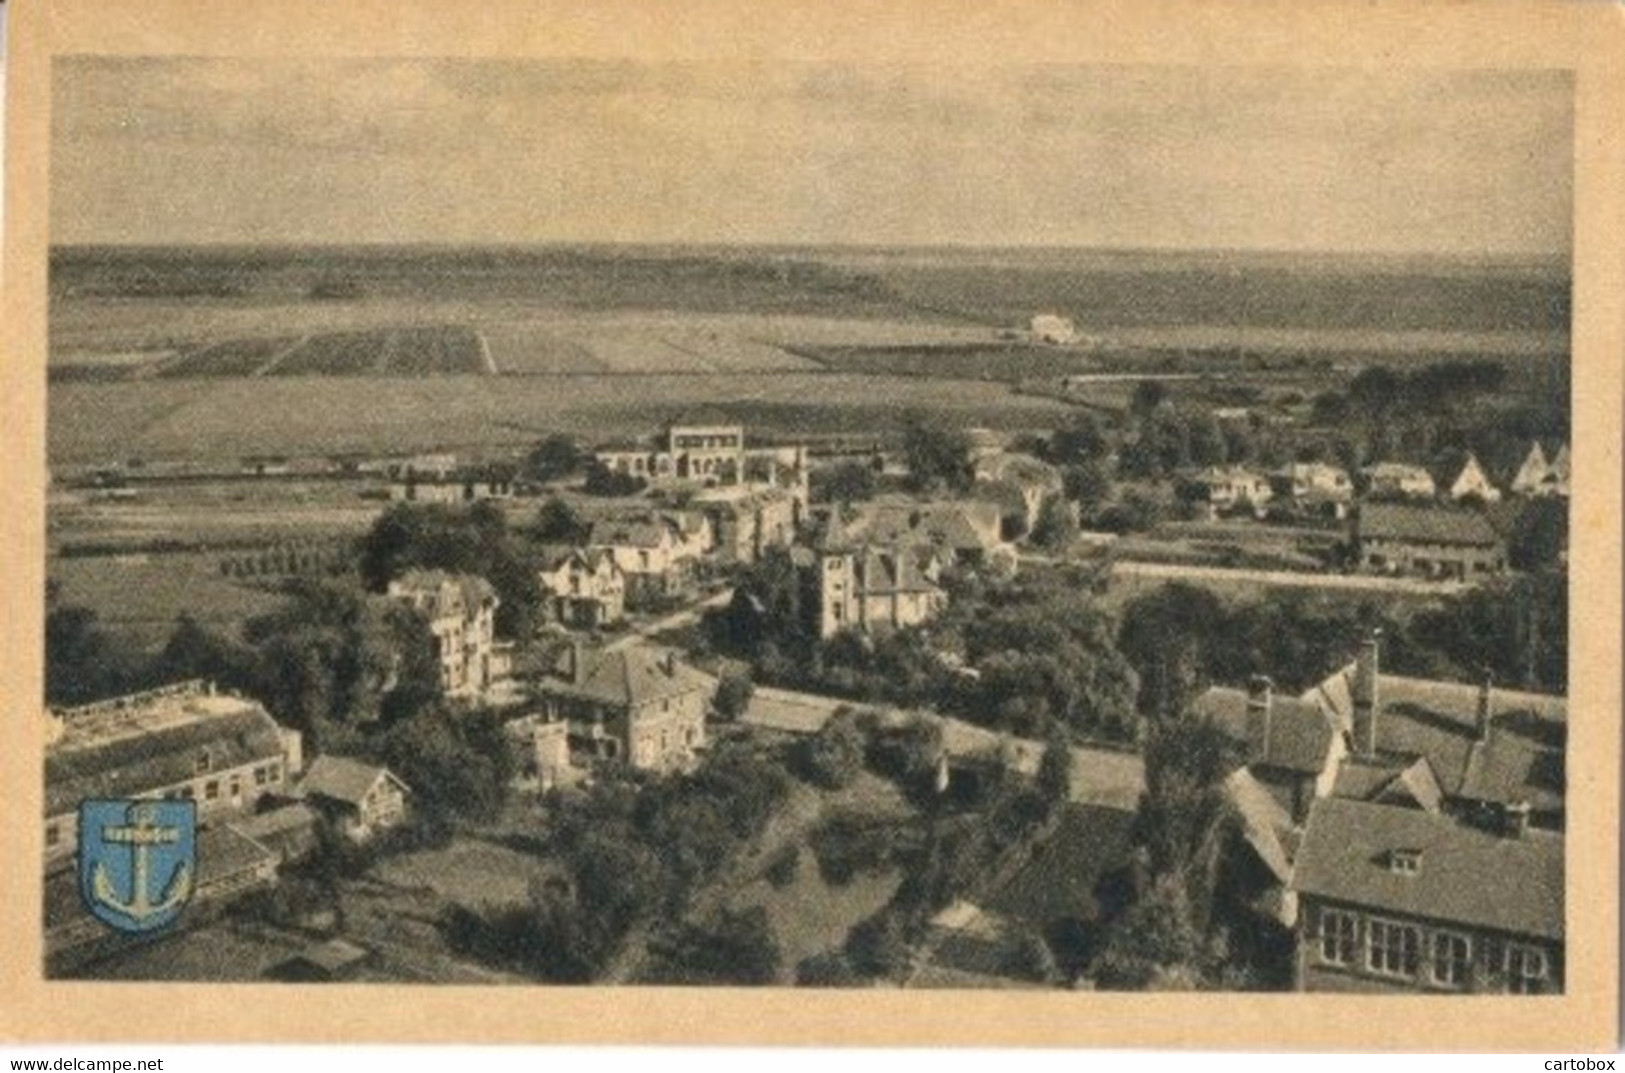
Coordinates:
x,y
1408,832
1435,542
636,705
1315,488
1472,482
461,613
1053,328
1229,489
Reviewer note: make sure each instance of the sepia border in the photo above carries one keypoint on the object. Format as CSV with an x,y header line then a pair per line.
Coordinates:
x,y
1586,38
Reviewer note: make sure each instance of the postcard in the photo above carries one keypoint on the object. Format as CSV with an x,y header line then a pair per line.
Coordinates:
x,y
1025,524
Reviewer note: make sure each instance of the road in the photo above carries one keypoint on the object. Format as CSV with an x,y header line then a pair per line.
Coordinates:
x,y
1099,776
685,617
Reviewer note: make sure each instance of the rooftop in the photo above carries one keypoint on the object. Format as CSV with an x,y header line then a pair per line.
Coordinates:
x,y
1429,525
628,677
1300,733
1466,876
340,778
172,740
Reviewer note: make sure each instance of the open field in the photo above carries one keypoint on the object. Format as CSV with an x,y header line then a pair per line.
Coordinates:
x,y
97,423
142,596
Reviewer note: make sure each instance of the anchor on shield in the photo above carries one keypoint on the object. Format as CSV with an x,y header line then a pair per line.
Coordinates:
x,y
137,860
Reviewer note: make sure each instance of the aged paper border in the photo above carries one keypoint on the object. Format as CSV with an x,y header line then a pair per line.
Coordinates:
x,y
1586,38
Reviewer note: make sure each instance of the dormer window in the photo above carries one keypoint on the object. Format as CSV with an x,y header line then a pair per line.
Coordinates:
x,y
1405,862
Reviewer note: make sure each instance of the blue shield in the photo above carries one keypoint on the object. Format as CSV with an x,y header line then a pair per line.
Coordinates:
x,y
137,861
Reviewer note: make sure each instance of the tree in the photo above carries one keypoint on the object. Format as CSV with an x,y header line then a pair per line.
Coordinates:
x,y
1079,440
1539,535
1166,634
847,482
733,696
83,661
603,481
735,947
937,457
1086,484
558,523
1148,396
1057,524
833,757
556,458
1055,769
1376,389
1154,945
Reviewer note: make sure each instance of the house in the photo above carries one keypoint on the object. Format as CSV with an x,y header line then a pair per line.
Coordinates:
x,y
541,752
1228,489
182,741
324,962
1456,544
452,488
1471,482
1430,855
651,553
710,452
1538,478
461,612
958,532
866,588
1053,328
1395,480
1315,488
359,799
585,587
747,520
1018,483
1399,898
1288,745
635,704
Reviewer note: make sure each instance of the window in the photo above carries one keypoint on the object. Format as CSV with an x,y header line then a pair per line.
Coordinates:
x,y
236,786
1339,937
188,793
1405,862
211,790
1452,958
274,772
1527,969
1392,949
260,775
53,834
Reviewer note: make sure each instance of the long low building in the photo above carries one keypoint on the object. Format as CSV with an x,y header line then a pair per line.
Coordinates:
x,y
185,741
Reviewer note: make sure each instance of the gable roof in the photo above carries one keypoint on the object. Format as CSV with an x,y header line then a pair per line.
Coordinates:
x,y
340,778
1390,782
1265,824
1424,525
122,758
881,572
1522,760
441,594
1300,733
1467,876
628,677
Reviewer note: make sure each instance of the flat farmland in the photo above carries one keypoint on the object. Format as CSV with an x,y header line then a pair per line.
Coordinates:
x,y
90,423
141,596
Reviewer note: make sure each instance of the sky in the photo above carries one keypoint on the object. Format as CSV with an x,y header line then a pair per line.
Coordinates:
x,y
194,150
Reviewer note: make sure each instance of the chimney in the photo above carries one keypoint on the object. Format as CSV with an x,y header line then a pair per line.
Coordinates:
x,y
1367,703
1486,684
1515,819
573,662
1260,695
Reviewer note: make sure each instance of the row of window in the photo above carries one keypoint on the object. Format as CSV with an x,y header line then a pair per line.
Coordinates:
x,y
1444,958
263,775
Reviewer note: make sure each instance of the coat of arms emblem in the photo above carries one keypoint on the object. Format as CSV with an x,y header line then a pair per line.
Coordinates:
x,y
137,861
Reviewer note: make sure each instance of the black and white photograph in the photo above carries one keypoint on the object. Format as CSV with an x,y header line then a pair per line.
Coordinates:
x,y
905,524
